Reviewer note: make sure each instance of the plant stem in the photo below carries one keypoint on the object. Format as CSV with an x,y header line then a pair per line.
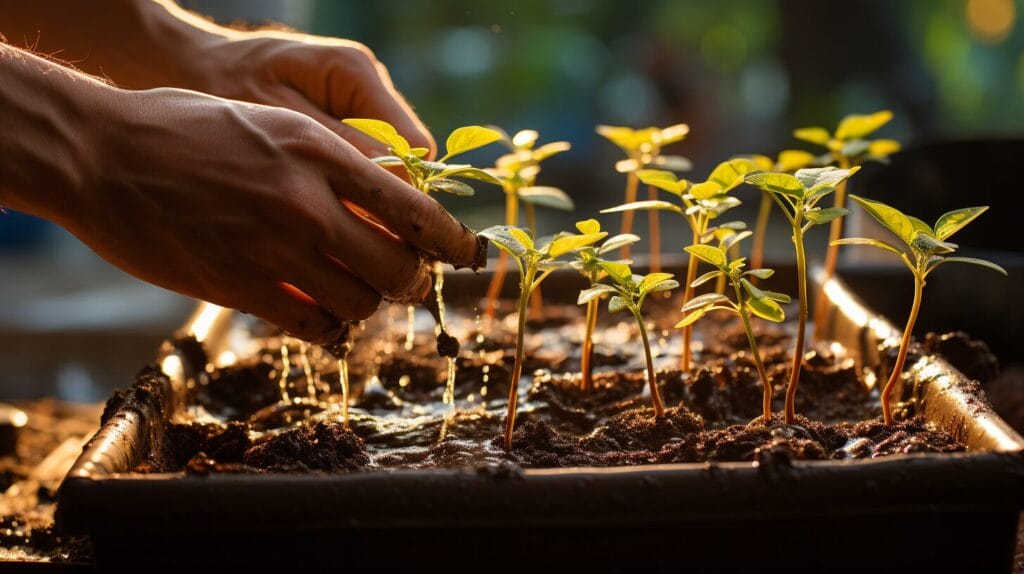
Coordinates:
x,y
536,299
764,213
587,356
835,233
798,352
691,274
517,370
901,356
655,231
766,403
659,407
498,280
627,216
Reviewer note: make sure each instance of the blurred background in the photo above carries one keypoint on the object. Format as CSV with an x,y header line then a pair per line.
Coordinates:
x,y
741,73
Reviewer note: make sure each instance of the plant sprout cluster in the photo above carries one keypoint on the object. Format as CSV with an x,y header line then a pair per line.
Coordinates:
x,y
798,183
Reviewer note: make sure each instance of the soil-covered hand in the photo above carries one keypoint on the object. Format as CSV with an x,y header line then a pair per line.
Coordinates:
x,y
254,207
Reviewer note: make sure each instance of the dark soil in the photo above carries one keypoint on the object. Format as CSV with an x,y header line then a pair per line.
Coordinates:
x,y
397,418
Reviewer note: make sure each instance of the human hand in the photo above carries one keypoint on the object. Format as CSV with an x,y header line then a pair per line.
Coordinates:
x,y
238,204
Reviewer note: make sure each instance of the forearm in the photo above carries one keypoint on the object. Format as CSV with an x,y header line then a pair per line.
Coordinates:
x,y
136,44
51,120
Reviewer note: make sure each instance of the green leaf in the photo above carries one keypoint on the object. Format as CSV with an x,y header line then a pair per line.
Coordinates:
x,y
706,190
588,226
824,215
815,135
652,281
708,254
616,304
735,238
704,300
815,178
706,277
774,296
469,138
672,163
623,137
644,205
752,290
791,160
921,226
547,196
776,183
618,271
766,309
617,241
470,172
512,240
419,151
972,261
866,241
570,242
926,243
382,132
856,126
664,180
451,186
549,149
595,292
891,218
760,273
692,317
729,174
953,221
388,161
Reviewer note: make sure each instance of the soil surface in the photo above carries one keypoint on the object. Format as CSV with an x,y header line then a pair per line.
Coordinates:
x,y
240,420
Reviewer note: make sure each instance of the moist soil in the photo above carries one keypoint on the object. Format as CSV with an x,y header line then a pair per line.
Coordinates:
x,y
236,420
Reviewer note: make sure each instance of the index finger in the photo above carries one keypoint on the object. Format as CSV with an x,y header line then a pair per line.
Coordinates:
x,y
407,212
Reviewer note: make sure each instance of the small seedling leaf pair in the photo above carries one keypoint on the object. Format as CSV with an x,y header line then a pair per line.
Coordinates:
x,y
426,175
849,144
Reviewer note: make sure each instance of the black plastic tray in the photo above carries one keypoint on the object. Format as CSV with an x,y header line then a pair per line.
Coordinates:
x,y
919,512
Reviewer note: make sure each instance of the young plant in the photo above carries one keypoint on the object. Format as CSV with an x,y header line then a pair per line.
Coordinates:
x,y
789,161
643,150
798,196
760,302
535,264
927,249
518,171
588,262
425,175
699,204
847,147
629,292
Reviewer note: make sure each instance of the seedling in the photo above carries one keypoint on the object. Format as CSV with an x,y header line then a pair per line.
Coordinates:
x,y
847,147
927,249
789,160
428,176
518,171
798,195
760,302
535,264
425,175
643,150
588,263
699,203
629,291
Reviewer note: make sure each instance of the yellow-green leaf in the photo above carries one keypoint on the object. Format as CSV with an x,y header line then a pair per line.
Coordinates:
x,y
950,223
672,134
588,226
891,218
549,149
776,183
566,243
729,174
525,138
815,135
621,136
660,179
469,138
883,148
382,132
547,196
708,254
766,309
644,205
857,126
867,241
706,190
791,160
